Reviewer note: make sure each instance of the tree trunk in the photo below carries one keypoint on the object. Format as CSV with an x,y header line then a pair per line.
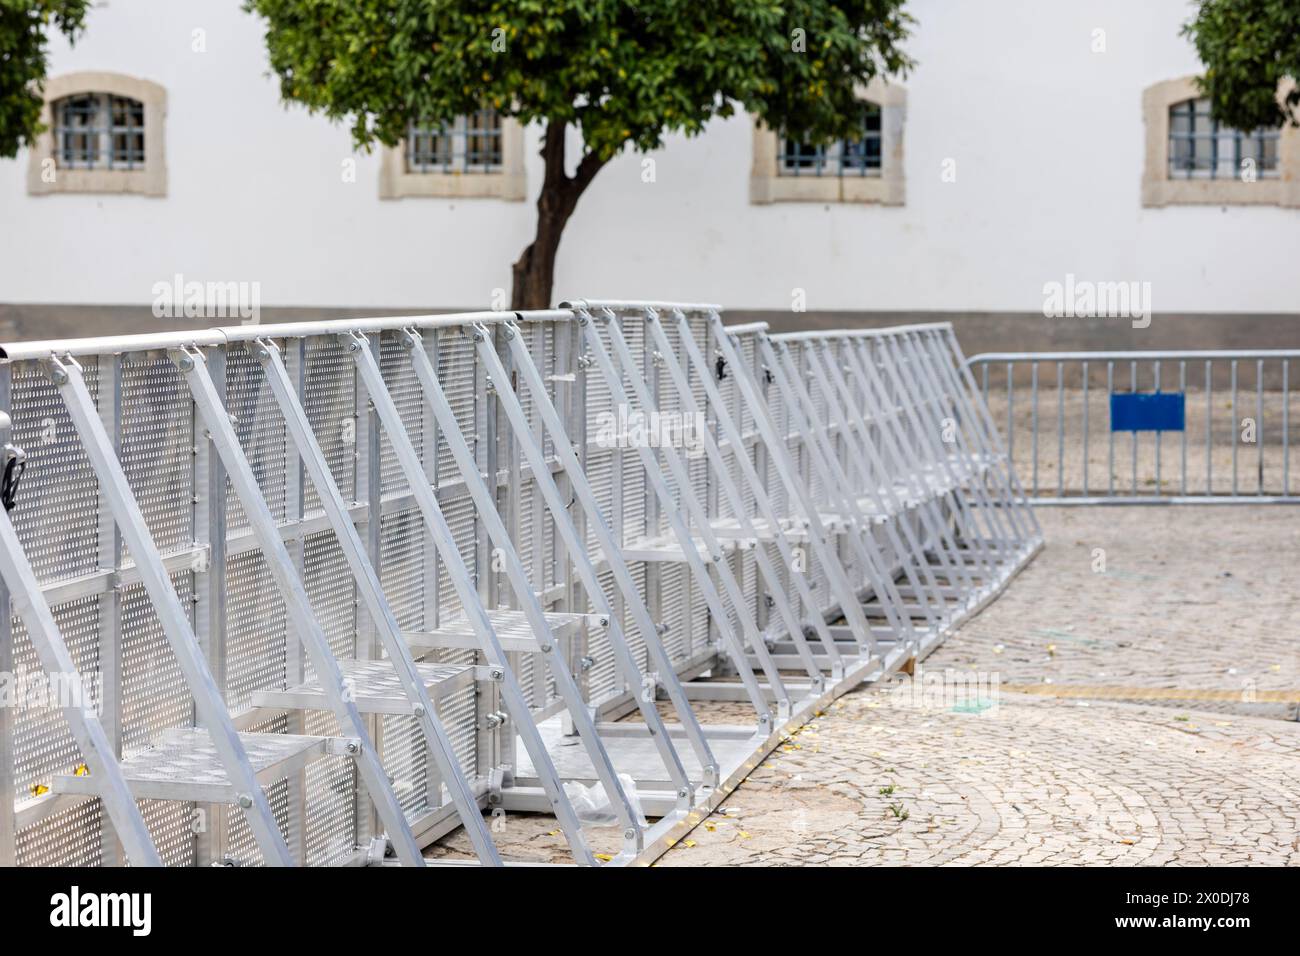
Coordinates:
x,y
533,274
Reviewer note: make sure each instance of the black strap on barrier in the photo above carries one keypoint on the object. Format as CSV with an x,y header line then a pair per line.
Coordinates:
x,y
15,465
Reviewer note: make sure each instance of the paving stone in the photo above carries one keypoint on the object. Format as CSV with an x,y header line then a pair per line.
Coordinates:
x,y
1198,599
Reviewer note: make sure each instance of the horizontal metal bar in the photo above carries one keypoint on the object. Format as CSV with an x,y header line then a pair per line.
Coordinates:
x,y
225,335
633,305
1146,355
1242,499
818,335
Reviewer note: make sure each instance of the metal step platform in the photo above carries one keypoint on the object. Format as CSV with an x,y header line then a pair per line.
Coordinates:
x,y
375,687
184,765
512,628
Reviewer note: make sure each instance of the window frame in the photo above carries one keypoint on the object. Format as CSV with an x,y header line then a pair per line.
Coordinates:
x,y
843,157
771,182
1212,140
1159,188
146,178
507,181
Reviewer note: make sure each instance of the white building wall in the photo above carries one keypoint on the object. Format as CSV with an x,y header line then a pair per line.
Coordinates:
x,y
1047,137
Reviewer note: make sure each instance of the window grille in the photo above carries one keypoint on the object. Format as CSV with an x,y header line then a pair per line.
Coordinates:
x,y
1202,148
847,157
468,144
99,131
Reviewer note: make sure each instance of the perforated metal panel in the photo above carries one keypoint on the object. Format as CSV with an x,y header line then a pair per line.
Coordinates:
x,y
61,537
331,799
457,375
241,848
604,679
329,398
240,618
157,425
173,827
331,590
154,694
256,632
41,741
261,433
405,391
68,838
402,564
464,528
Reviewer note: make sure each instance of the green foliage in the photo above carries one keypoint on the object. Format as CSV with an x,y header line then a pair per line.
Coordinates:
x,y
623,71
1248,47
24,25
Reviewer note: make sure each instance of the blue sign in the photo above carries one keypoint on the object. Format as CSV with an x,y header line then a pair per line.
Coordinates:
x,y
1146,412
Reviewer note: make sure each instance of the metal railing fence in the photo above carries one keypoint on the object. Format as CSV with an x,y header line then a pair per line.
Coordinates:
x,y
1146,427
321,593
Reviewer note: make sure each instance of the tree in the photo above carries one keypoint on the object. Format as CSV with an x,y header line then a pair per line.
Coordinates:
x,y
1249,47
624,73
24,25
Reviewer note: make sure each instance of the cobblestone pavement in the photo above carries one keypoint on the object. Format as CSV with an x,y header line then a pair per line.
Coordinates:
x,y
1175,633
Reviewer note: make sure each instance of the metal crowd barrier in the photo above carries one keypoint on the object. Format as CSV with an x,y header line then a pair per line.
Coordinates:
x,y
323,593
1146,427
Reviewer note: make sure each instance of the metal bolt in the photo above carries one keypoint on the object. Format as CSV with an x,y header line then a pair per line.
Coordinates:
x,y
352,747
683,793
546,648
497,673
245,801
418,709
629,834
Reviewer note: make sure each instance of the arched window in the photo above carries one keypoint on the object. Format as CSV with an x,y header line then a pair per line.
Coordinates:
x,y
99,131
1193,159
1201,148
103,134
